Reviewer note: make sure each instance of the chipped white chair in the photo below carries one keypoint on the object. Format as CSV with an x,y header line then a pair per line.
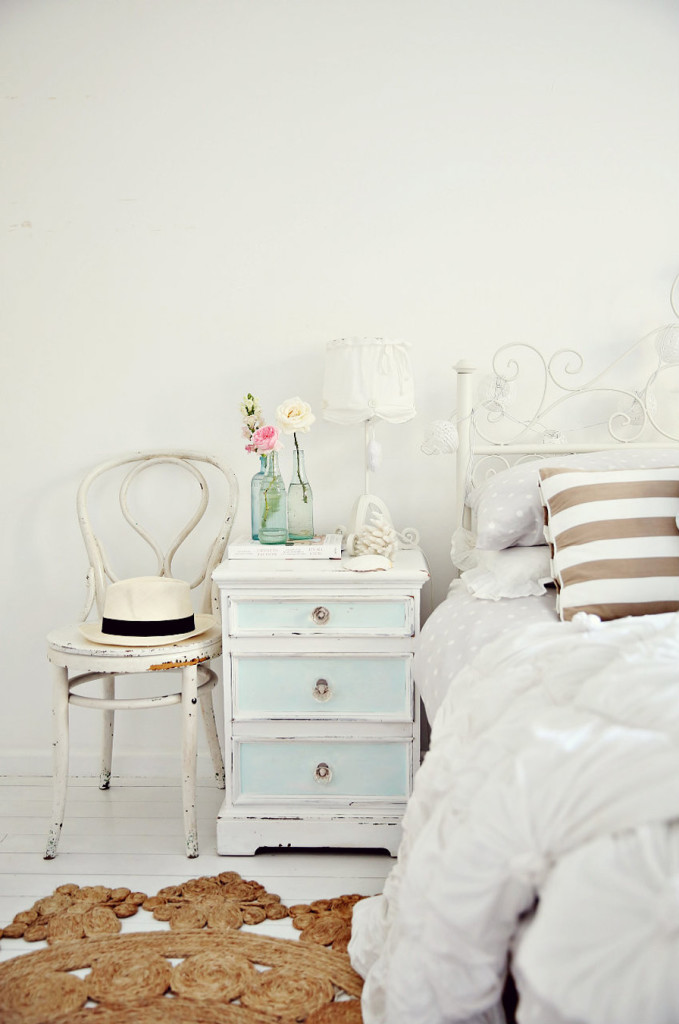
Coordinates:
x,y
77,660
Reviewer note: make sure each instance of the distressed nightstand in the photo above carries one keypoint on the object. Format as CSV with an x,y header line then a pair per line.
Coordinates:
x,y
321,716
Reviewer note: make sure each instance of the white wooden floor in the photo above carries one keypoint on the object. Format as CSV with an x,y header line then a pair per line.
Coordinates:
x,y
131,835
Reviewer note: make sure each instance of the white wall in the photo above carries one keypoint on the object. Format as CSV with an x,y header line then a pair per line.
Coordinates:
x,y
198,194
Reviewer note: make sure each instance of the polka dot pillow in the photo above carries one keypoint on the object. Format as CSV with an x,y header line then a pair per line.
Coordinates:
x,y
507,509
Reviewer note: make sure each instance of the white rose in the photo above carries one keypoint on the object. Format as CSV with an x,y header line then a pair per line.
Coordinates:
x,y
294,415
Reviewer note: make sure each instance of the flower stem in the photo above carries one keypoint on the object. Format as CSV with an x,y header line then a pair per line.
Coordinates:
x,y
299,470
267,508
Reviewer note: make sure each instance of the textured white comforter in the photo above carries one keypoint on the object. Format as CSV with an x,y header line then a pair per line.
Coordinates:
x,y
552,756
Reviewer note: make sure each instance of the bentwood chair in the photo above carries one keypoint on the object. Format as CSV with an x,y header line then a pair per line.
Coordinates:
x,y
76,660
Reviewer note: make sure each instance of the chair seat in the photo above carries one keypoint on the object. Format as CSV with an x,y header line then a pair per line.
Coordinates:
x,y
67,643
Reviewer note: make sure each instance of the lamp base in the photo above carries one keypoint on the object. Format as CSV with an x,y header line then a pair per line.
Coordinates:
x,y
371,530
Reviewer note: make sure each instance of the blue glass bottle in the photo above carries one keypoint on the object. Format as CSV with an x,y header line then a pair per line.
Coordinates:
x,y
255,498
273,527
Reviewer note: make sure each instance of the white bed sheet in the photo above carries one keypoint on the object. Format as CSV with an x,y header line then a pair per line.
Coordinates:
x,y
553,750
460,627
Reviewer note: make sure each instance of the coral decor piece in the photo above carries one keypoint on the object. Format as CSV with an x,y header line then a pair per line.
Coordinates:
x,y
378,537
372,531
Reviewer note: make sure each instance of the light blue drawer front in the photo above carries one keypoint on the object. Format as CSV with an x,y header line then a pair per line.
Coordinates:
x,y
387,617
324,768
321,687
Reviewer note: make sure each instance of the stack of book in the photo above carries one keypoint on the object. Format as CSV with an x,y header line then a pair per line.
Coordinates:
x,y
327,546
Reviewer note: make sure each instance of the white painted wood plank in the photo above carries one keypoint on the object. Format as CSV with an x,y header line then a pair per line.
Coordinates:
x,y
91,781
118,826
104,840
116,793
42,808
313,865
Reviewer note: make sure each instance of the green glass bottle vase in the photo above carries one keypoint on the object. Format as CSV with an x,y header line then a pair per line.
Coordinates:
x,y
300,501
256,498
273,526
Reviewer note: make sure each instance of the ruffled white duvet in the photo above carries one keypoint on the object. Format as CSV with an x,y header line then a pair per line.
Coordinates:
x,y
553,772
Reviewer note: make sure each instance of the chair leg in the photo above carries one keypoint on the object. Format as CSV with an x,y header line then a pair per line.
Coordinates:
x,y
189,750
208,711
60,756
109,692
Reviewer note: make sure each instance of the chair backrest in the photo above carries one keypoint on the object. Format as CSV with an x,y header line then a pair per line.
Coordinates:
x,y
193,465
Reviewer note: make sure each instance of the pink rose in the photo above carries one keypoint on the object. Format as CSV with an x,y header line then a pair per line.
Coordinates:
x,y
264,440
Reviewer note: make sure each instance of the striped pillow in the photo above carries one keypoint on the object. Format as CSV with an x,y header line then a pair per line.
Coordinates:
x,y
614,540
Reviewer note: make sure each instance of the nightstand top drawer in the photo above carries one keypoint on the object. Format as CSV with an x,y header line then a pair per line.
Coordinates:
x,y
321,616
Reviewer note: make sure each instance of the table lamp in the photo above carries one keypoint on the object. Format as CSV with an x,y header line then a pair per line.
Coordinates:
x,y
369,379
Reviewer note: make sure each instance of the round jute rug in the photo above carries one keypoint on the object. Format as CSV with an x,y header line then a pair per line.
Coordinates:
x,y
180,977
220,902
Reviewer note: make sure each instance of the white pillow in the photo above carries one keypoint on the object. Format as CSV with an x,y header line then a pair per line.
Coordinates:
x,y
463,551
507,508
492,575
615,540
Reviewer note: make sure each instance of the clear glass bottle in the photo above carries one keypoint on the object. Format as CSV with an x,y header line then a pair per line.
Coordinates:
x,y
300,501
273,527
256,498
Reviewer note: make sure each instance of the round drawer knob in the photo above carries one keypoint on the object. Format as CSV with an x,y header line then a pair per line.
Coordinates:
x,y
322,690
320,615
323,773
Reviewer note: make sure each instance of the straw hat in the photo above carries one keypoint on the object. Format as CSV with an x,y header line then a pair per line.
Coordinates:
x,y
146,611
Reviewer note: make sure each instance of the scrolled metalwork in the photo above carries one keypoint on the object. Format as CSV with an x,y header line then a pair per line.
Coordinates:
x,y
549,383
542,386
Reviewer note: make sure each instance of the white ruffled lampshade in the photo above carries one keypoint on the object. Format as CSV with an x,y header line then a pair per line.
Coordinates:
x,y
367,378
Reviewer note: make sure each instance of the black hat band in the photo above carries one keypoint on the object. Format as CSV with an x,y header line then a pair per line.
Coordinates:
x,y
147,627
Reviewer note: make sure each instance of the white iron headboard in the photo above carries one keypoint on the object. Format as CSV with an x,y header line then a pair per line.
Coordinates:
x,y
530,406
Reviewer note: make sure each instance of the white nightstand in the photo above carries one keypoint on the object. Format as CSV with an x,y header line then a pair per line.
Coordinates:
x,y
321,717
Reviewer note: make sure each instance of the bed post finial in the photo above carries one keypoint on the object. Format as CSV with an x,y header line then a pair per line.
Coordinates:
x,y
463,412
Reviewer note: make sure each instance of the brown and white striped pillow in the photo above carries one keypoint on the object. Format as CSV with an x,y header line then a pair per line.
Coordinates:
x,y
614,540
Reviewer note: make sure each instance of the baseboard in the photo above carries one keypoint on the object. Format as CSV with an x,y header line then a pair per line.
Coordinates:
x,y
137,764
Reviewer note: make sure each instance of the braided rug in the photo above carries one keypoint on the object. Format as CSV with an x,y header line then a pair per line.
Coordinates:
x,y
202,970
